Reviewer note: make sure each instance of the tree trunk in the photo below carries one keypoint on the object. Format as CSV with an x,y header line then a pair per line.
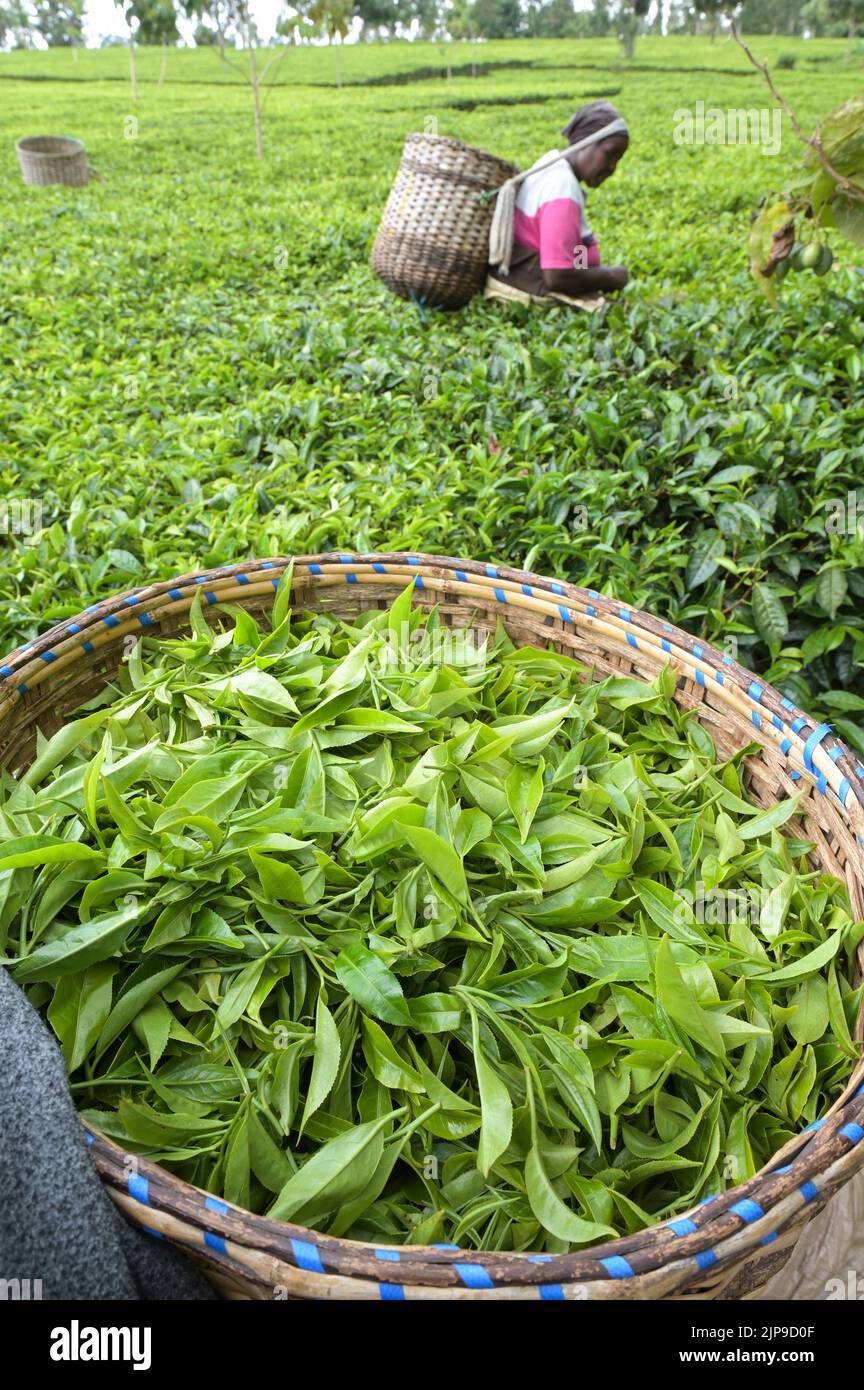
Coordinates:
x,y
133,70
164,63
338,65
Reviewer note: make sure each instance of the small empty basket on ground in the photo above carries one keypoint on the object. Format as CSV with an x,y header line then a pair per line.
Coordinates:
x,y
48,159
433,241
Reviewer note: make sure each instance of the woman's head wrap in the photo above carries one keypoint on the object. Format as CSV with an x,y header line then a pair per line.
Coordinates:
x,y
591,118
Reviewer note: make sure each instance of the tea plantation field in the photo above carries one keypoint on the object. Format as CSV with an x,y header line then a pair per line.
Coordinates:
x,y
197,365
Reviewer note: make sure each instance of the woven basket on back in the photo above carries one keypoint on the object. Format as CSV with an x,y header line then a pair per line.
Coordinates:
x,y
48,159
729,1245
433,241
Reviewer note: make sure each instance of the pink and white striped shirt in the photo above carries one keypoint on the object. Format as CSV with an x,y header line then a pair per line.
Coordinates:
x,y
550,218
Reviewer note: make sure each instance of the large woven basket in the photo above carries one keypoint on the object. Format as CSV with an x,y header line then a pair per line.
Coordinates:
x,y
48,159
433,241
728,1246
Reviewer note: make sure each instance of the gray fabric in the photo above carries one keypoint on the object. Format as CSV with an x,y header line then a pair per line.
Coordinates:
x,y
57,1224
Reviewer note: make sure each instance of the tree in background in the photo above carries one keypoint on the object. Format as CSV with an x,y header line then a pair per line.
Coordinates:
x,y
498,19
380,18
835,18
627,21
16,25
332,18
710,11
772,16
60,22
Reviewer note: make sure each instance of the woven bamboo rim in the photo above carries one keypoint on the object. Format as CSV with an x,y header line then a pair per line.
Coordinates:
x,y
47,159
433,241
730,1244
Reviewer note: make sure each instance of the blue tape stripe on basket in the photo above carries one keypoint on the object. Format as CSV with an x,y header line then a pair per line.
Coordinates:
x,y
139,1188
592,593
756,691
727,660
391,1293
87,647
697,651
785,745
632,641
349,560
145,620
860,1091
618,1267
777,721
817,1124
766,1240
6,671
526,589
460,574
756,718
214,1204
565,613
379,569
23,688
492,571
210,596
798,725
820,732
787,704
853,1132
747,1209
149,1231
590,610
666,627
665,645
539,1259
836,753
350,579
700,679
719,678
315,569
795,776
683,1227
392,1255
786,1168
265,565
859,772
215,1242
242,578
705,1259
111,621
175,593
551,1291
48,656
559,589
710,1198
307,1255
500,595
418,582
624,614
90,1138
808,1190
130,600
443,1245
474,1276
74,628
